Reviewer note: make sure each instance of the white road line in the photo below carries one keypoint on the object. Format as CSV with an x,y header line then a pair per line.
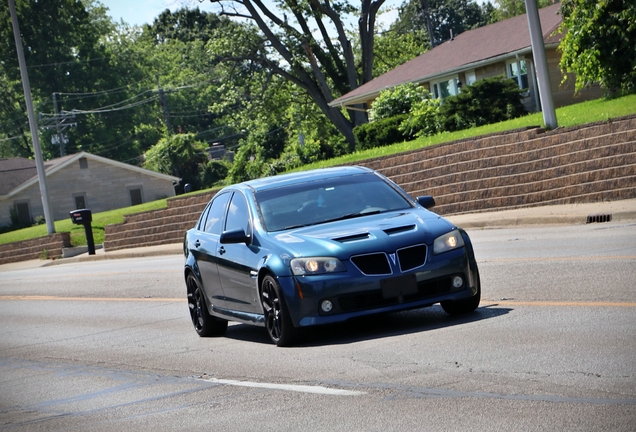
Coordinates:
x,y
287,387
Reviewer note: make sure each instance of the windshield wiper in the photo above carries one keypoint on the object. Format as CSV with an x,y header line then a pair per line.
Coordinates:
x,y
353,215
343,217
298,226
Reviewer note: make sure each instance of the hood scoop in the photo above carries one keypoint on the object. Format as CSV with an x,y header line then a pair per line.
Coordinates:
x,y
399,230
353,237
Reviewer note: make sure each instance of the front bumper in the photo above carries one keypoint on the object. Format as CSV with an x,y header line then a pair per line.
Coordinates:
x,y
354,295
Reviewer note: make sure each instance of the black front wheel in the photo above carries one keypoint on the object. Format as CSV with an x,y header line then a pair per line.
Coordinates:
x,y
278,323
463,306
205,324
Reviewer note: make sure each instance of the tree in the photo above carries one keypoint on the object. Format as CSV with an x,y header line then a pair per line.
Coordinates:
x,y
179,155
187,69
447,17
306,42
505,9
598,45
393,49
73,60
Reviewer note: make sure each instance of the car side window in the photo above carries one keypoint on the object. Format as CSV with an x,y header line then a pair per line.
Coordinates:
x,y
238,216
213,223
203,217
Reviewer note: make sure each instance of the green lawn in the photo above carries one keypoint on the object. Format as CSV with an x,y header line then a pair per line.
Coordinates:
x,y
78,236
586,112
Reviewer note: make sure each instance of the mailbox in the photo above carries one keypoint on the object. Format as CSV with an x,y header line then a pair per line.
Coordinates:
x,y
81,217
84,217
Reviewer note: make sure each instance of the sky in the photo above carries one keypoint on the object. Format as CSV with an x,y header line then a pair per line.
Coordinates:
x,y
138,12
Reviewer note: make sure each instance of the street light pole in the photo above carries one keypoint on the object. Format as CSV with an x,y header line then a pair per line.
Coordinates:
x,y
39,163
538,52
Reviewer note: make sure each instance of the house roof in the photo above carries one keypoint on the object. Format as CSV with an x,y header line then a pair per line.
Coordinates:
x,y
466,51
17,174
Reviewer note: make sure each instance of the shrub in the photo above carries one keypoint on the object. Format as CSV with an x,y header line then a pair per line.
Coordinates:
x,y
215,172
397,100
490,100
380,132
424,119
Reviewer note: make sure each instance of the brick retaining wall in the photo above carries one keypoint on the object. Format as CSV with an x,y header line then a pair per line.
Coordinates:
x,y
520,168
42,247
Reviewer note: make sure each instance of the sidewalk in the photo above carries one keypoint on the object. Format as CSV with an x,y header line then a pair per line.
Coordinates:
x,y
572,214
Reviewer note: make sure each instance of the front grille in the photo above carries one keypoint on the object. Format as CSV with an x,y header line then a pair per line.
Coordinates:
x,y
372,264
412,257
373,299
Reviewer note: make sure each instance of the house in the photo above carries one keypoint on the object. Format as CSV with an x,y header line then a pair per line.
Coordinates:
x,y
81,180
502,48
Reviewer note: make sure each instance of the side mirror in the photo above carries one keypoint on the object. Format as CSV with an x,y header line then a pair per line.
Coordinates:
x,y
426,201
235,236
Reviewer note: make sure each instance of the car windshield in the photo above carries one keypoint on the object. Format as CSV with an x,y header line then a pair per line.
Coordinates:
x,y
327,200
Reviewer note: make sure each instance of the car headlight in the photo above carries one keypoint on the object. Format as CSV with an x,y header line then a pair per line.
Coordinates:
x,y
448,242
316,265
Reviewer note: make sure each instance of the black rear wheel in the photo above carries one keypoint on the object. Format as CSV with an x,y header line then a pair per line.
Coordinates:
x,y
278,323
205,324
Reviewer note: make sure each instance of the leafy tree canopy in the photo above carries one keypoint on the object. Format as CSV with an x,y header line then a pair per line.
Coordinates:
x,y
447,16
179,155
599,41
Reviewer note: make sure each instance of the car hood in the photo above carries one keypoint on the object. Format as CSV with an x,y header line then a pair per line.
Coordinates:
x,y
382,232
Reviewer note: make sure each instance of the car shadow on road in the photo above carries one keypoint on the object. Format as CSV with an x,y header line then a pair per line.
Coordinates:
x,y
373,327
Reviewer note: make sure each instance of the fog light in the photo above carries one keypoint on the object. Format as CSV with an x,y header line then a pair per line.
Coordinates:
x,y
458,281
326,306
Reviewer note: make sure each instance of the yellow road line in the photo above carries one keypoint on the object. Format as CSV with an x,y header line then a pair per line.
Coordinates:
x,y
581,258
120,299
558,303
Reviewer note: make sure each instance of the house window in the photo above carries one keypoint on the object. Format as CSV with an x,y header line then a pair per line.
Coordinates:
x,y
445,88
518,70
470,77
135,196
23,212
80,201
83,162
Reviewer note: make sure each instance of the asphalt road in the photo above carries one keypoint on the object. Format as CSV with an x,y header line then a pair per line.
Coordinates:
x,y
108,345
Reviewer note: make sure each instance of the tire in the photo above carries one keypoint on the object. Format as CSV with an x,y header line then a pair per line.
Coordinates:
x,y
463,306
278,323
205,324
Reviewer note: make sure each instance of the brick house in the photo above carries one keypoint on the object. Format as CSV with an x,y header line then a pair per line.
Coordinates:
x,y
499,49
81,180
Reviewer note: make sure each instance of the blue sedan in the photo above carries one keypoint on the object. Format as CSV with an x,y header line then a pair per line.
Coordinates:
x,y
319,247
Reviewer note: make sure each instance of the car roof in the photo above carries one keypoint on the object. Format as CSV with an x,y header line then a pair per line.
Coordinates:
x,y
302,177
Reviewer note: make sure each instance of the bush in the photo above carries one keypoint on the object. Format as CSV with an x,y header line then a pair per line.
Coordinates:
x,y
380,132
215,172
487,101
424,119
397,100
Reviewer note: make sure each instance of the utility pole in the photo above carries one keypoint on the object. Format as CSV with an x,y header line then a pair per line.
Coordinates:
x,y
60,141
59,122
164,105
39,163
429,23
538,52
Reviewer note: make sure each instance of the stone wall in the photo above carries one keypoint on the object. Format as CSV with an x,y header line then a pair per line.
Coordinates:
x,y
39,248
522,168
